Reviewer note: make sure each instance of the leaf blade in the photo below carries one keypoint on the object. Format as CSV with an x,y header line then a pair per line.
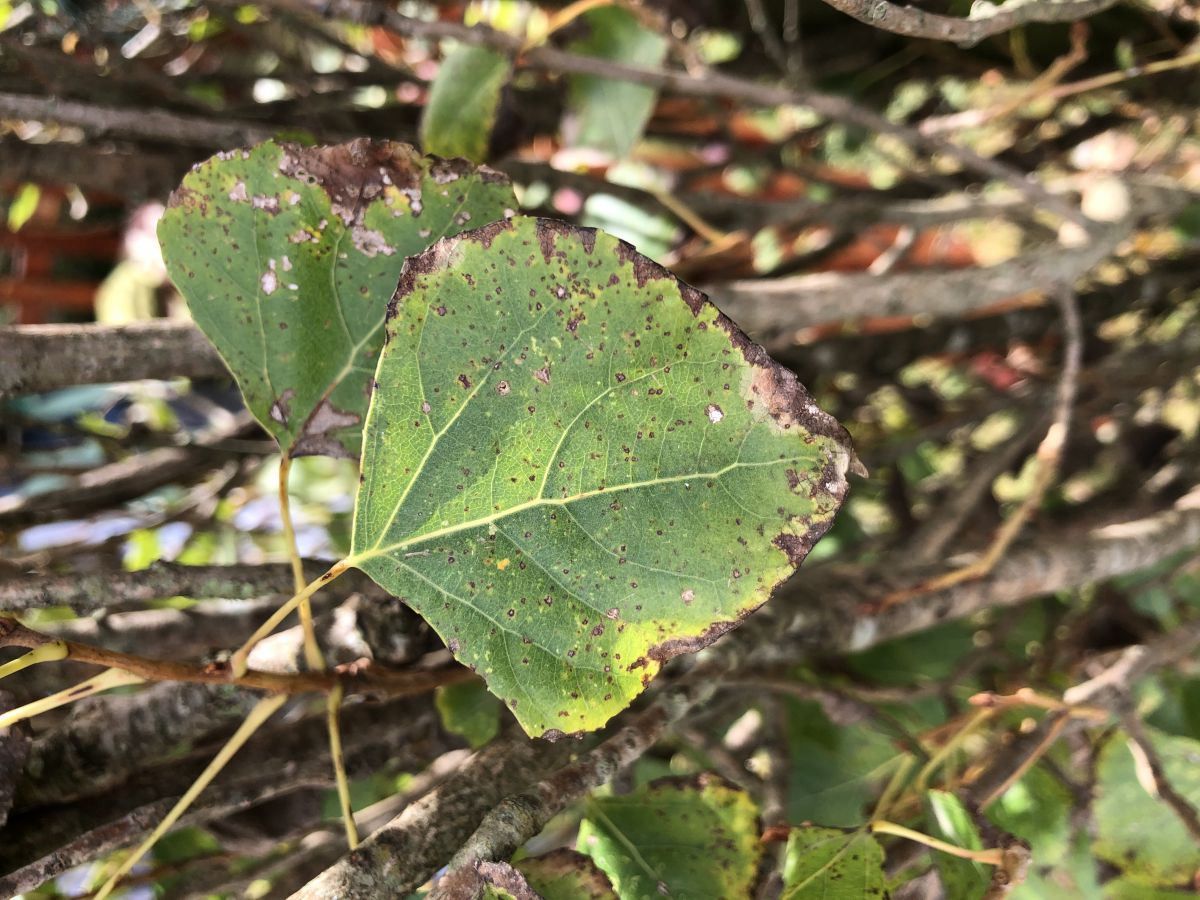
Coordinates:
x,y
558,422
287,256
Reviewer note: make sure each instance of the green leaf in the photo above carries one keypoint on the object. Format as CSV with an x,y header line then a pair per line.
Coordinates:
x,y
566,875
468,710
1136,832
836,771
23,206
1037,809
288,256
607,114
675,838
575,468
831,864
963,879
1130,889
461,112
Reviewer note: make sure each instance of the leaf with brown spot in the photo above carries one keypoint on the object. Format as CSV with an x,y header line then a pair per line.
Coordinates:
x,y
693,838
544,480
832,864
288,255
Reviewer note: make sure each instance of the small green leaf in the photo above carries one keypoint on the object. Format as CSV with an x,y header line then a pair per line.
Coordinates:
x,y
566,875
575,468
287,256
461,112
1136,832
23,206
675,838
837,771
468,710
607,114
831,864
949,820
1037,809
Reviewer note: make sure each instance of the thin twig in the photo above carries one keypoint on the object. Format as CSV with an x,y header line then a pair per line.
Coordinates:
x,y
1049,458
352,679
986,19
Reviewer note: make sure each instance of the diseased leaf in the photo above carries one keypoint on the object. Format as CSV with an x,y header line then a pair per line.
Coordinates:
x,y
830,864
461,112
950,821
607,114
575,468
467,709
287,256
566,875
675,838
1125,814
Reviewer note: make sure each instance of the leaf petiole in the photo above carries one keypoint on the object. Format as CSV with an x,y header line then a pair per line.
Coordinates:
x,y
263,711
111,678
239,662
994,857
51,652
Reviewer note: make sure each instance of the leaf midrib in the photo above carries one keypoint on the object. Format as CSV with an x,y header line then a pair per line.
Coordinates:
x,y
356,559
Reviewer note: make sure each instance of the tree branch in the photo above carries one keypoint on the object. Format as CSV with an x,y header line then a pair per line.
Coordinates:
x,y
985,20
709,84
87,592
36,358
208,132
401,856
353,679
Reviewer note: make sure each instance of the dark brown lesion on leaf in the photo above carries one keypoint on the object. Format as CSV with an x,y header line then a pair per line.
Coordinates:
x,y
317,435
673,647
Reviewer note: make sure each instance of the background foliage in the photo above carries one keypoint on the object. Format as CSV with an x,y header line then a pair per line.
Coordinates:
x,y
973,233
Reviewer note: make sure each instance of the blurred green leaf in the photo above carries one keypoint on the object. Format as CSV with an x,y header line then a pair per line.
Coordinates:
x,y
23,206
1136,832
963,879
469,710
463,102
836,770
606,114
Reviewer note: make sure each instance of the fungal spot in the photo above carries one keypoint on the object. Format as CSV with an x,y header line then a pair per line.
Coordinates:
x,y
503,388
543,375
370,242
714,412
239,192
465,382
687,597
425,407
265,203
613,613
269,282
